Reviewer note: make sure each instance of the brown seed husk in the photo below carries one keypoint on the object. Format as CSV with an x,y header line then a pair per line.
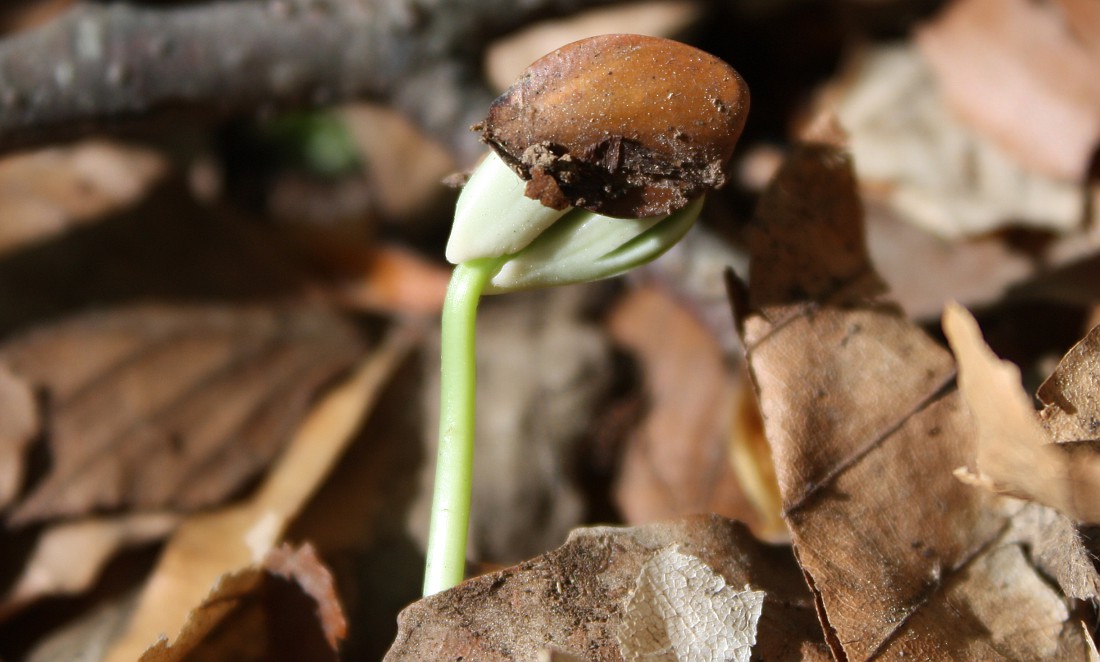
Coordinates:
x,y
623,125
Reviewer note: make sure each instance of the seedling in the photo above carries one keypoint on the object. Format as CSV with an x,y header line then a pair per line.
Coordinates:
x,y
602,152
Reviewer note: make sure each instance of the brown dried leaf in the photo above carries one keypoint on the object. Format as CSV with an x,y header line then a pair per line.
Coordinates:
x,y
86,637
1056,546
911,152
575,599
1024,74
157,407
395,280
304,568
299,613
677,461
46,192
405,166
192,252
681,609
1071,394
68,557
209,546
923,270
379,568
1015,454
171,407
866,429
18,427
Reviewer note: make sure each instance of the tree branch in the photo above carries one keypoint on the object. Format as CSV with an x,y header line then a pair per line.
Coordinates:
x,y
101,64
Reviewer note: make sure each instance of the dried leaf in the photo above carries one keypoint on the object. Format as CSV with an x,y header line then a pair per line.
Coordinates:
x,y
910,151
682,610
677,461
1057,547
18,427
44,193
1024,74
379,569
1071,394
865,429
304,568
87,637
575,599
209,546
755,469
395,280
68,557
289,631
1015,454
193,252
1010,452
170,407
405,167
923,270
969,619
558,656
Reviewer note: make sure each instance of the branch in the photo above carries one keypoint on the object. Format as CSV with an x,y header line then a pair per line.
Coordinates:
x,y
100,64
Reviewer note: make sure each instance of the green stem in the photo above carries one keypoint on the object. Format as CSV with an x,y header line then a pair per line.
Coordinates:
x,y
454,468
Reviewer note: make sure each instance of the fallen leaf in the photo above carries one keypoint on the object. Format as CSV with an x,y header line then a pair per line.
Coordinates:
x,y
912,153
1015,454
404,166
357,520
18,427
160,407
866,429
1057,547
677,460
87,637
299,613
558,656
396,281
755,468
68,557
924,270
193,252
44,193
575,599
209,546
683,610
304,568
1070,395
1024,74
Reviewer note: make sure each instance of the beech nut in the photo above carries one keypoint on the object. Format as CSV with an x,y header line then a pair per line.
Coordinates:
x,y
623,125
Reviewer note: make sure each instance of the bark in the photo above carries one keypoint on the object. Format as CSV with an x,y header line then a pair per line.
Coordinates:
x,y
101,64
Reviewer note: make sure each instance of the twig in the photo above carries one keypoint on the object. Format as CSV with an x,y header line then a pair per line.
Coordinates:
x,y
101,64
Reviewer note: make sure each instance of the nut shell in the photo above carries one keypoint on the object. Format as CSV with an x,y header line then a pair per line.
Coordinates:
x,y
623,125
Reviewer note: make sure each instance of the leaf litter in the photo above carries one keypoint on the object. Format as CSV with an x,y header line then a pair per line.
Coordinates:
x,y
1050,458
676,461
891,552
586,599
169,408
866,427
223,545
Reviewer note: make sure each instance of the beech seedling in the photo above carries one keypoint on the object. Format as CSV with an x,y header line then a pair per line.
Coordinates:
x,y
601,154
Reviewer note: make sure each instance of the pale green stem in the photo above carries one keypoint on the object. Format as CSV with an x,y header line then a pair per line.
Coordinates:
x,y
446,562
